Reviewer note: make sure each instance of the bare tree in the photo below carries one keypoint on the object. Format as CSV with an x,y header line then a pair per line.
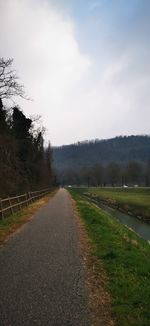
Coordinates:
x,y
113,173
9,85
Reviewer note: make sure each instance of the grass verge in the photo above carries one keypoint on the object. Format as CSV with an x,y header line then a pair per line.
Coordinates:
x,y
137,201
12,223
126,259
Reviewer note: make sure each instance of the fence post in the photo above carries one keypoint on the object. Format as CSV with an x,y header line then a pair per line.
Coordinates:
x,y
11,208
32,194
26,199
28,202
1,205
19,202
30,197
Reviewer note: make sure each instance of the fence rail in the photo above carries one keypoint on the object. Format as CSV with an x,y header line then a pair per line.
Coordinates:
x,y
11,205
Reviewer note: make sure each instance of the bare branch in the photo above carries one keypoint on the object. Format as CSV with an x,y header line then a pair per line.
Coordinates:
x,y
9,85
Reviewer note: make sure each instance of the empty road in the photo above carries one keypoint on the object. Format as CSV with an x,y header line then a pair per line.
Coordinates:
x,y
41,274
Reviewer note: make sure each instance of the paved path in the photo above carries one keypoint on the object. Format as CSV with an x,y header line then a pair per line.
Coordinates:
x,y
41,276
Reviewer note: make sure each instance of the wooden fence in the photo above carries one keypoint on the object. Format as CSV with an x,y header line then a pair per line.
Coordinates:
x,y
11,205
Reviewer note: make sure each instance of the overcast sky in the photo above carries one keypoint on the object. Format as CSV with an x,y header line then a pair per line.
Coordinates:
x,y
85,63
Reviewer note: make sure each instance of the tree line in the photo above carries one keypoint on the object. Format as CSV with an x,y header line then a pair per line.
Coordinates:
x,y
123,160
25,164
112,174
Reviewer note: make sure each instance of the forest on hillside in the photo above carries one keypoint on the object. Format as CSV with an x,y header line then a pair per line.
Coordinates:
x,y
25,164
117,161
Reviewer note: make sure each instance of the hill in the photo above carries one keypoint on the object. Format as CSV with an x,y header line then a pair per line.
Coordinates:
x,y
85,154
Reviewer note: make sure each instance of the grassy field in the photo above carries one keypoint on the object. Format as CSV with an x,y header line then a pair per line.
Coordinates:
x,y
126,259
135,200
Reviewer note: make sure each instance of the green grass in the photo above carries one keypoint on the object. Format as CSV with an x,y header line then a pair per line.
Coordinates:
x,y
12,219
11,223
126,259
136,201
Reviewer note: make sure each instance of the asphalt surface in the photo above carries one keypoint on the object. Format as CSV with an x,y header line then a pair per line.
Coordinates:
x,y
41,274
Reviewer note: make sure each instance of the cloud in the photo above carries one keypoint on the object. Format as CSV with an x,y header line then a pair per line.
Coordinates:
x,y
47,56
101,92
